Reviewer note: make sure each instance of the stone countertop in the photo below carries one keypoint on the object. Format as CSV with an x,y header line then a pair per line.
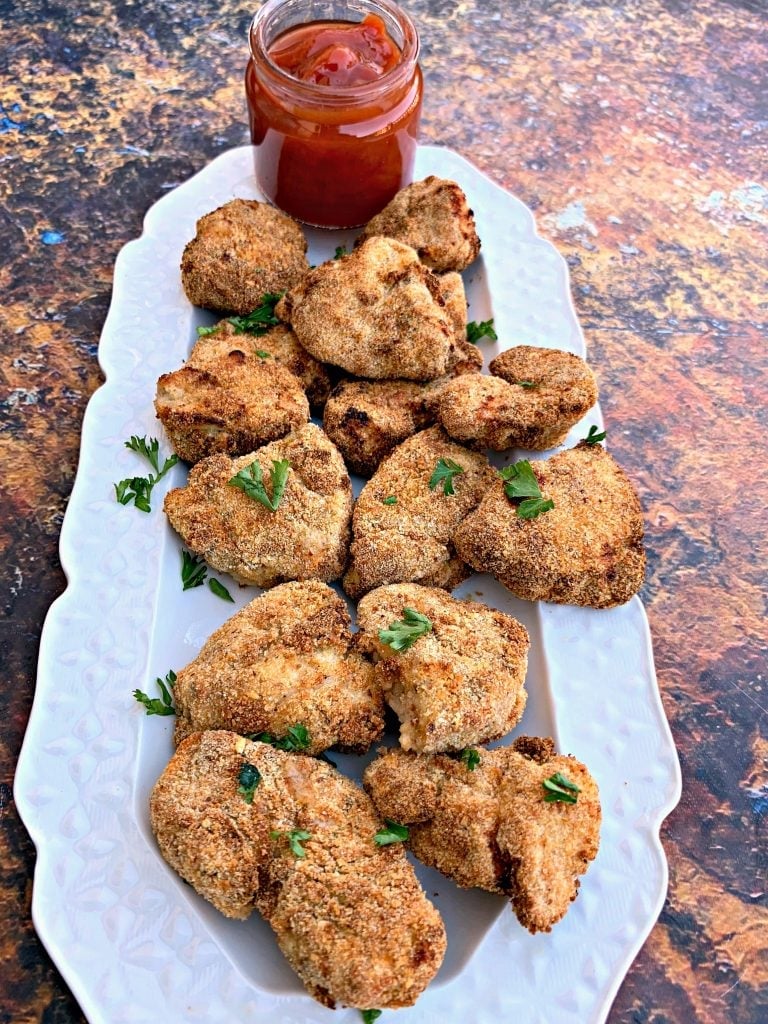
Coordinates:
x,y
636,131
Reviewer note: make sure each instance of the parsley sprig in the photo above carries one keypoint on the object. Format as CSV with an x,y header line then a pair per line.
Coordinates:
x,y
137,489
406,631
295,838
369,1016
248,778
251,481
559,789
520,483
391,833
162,705
258,321
484,329
391,500
444,472
526,384
296,738
471,758
194,572
341,250
594,436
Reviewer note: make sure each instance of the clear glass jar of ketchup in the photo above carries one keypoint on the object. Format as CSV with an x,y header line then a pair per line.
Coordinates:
x,y
334,98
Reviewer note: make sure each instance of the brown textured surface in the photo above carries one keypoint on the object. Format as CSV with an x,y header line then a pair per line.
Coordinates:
x,y
637,132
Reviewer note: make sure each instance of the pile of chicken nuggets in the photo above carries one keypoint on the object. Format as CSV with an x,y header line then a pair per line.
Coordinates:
x,y
374,342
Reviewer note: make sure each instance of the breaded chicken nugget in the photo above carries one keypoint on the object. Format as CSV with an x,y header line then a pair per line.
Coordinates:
x,y
306,537
469,358
376,313
493,827
433,217
241,251
587,550
278,343
234,405
250,827
461,681
288,658
403,527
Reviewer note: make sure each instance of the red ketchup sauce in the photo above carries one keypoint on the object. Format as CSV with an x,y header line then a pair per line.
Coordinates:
x,y
334,111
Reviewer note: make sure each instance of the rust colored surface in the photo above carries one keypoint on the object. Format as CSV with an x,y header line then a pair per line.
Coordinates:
x,y
637,133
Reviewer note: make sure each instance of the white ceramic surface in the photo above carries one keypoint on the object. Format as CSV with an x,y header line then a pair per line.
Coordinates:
x,y
134,943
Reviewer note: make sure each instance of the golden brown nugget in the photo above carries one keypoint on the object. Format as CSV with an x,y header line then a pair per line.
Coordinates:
x,y
278,344
461,682
251,827
433,217
587,550
402,527
241,251
288,658
469,358
234,405
491,827
376,313
306,537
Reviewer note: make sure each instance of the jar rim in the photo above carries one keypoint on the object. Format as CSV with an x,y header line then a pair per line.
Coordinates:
x,y
325,93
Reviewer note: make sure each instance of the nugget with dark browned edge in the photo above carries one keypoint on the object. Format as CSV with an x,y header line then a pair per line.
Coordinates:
x,y
241,251
376,313
403,527
433,217
461,682
587,550
251,827
491,826
288,658
306,537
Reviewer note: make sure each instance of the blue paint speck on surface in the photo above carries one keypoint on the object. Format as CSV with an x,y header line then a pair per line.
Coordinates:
x,y
759,800
51,237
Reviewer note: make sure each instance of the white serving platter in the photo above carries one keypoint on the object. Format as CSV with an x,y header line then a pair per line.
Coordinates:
x,y
135,944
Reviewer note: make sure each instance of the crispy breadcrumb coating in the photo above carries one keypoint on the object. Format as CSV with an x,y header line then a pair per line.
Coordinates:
x,y
587,550
287,658
279,344
491,827
460,684
376,313
411,539
305,538
241,251
433,217
349,915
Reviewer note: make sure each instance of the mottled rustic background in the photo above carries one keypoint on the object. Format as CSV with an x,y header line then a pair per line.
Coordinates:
x,y
637,132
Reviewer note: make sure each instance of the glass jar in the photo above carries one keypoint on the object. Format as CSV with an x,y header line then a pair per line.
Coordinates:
x,y
332,155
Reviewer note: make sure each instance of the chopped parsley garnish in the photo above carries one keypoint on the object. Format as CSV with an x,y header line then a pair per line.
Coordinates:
x,y
219,590
520,482
392,833
248,779
526,384
296,738
444,472
594,436
259,320
391,500
295,838
159,705
137,489
193,570
559,789
470,758
341,250
251,481
405,632
369,1016
484,329
203,331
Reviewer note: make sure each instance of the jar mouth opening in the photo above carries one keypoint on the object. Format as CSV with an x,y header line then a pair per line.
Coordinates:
x,y
259,44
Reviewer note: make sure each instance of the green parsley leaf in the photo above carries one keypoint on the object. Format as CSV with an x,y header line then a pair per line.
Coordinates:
x,y
296,738
193,570
219,590
594,436
249,778
259,320
559,789
403,634
526,384
341,250
470,758
484,329
137,489
203,331
532,507
262,354
445,471
369,1016
391,500
520,481
392,833
251,481
295,838
162,705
